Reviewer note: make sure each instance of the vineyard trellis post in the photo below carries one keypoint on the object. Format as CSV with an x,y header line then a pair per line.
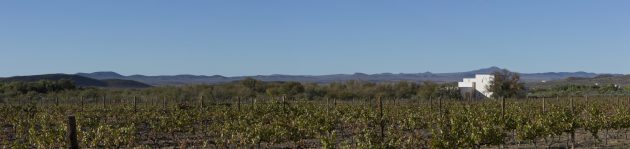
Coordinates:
x,y
201,101
502,108
468,101
382,124
394,100
431,103
283,96
543,105
572,105
135,106
72,132
327,102
283,102
213,100
573,115
586,99
557,98
82,103
239,103
103,101
440,106
618,101
164,103
573,139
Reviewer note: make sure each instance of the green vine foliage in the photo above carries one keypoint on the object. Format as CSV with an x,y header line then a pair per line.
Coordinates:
x,y
304,123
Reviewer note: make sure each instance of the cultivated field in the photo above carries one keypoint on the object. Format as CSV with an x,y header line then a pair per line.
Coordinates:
x,y
272,123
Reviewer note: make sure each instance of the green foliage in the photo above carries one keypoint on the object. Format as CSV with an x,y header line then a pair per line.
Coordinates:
x,y
506,84
428,89
245,89
573,90
273,124
42,86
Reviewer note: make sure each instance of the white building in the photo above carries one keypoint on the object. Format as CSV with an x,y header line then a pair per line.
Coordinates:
x,y
477,87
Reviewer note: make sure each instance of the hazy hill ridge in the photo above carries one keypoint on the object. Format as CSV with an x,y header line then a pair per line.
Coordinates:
x,y
80,81
381,77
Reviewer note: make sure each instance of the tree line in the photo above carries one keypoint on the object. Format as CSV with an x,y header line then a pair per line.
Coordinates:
x,y
577,90
505,85
247,88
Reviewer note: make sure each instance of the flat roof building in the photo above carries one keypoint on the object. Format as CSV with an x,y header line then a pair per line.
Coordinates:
x,y
476,88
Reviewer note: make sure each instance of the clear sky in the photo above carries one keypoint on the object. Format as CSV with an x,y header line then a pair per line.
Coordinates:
x,y
260,37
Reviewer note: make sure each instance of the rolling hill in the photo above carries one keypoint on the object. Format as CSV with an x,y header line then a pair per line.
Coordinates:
x,y
119,83
80,81
381,77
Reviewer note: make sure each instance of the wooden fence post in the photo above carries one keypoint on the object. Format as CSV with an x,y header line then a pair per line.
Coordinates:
x,y
72,132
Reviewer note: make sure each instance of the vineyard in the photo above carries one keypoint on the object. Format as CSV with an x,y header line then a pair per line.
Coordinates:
x,y
581,122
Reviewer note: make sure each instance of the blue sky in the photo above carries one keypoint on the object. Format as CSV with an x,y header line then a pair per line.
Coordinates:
x,y
233,37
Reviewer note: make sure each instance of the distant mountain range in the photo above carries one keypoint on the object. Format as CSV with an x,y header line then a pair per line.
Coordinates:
x,y
80,81
621,80
382,77
114,80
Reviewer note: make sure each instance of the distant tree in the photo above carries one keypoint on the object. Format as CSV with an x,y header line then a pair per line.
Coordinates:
x,y
384,91
506,84
292,88
428,89
253,85
404,89
448,90
313,91
66,84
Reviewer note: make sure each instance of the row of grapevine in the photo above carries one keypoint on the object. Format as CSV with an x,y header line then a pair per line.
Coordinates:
x,y
246,123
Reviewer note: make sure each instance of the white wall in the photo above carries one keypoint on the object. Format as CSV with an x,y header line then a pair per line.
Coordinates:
x,y
481,82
